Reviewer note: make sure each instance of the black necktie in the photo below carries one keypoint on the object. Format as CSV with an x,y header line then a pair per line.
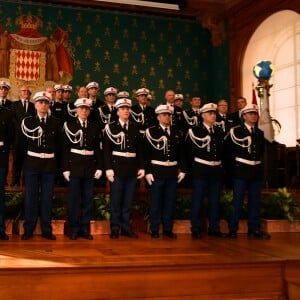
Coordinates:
x,y
43,123
25,105
83,124
210,130
166,132
252,130
125,126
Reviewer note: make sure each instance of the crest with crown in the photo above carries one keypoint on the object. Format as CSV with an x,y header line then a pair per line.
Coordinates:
x,y
29,22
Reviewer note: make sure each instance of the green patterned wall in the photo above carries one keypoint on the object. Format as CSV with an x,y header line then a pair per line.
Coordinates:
x,y
129,51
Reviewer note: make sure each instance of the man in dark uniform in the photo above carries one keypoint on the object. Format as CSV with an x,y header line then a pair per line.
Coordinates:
x,y
93,89
6,136
164,156
205,146
192,117
123,160
177,113
82,162
246,144
20,109
4,89
59,110
144,116
107,112
43,134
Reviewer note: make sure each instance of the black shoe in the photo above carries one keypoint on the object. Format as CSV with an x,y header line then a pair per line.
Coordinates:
x,y
26,236
170,234
231,234
196,235
217,234
114,234
129,234
73,236
260,235
3,236
155,234
86,235
49,236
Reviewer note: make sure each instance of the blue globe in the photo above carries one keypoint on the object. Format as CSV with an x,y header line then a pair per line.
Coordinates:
x,y
263,69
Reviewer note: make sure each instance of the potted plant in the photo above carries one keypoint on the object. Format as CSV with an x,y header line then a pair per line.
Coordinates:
x,y
101,215
58,214
140,215
13,202
280,212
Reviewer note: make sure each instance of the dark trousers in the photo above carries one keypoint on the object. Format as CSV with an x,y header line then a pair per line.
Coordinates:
x,y
2,207
121,195
254,190
38,197
19,154
163,197
80,203
201,187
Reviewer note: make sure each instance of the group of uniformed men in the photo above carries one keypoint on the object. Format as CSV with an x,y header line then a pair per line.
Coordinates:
x,y
55,139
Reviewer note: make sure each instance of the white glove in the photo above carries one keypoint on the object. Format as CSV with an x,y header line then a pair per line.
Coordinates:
x,y
149,178
180,176
67,175
97,174
140,173
110,175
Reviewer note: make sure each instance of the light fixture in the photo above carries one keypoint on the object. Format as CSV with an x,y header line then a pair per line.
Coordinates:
x,y
144,3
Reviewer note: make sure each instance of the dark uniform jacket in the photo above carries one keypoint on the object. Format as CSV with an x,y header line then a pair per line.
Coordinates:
x,y
6,135
190,119
93,117
106,115
59,111
236,119
49,142
82,165
123,166
150,118
173,152
212,152
19,114
254,152
224,122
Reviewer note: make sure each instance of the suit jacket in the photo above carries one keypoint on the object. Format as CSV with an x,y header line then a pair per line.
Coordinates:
x,y
254,152
149,116
8,103
123,166
173,152
59,111
82,165
212,152
6,134
49,142
236,119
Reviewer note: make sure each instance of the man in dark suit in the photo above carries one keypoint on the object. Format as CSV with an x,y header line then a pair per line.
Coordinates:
x,y
205,145
6,136
164,156
141,114
237,117
246,144
124,164
43,134
82,163
21,109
